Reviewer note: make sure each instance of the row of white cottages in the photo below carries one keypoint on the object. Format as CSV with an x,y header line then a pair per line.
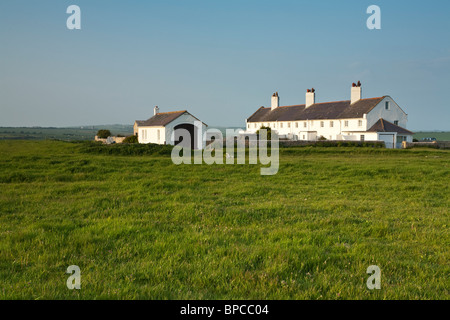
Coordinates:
x,y
373,119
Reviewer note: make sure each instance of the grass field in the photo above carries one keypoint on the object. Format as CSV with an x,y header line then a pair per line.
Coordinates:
x,y
440,136
140,227
65,134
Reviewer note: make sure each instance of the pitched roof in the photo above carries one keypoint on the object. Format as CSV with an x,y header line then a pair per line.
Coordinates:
x,y
386,126
327,110
160,119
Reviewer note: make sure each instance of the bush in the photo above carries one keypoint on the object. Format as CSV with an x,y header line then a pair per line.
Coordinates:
x,y
269,132
103,134
125,149
322,138
131,139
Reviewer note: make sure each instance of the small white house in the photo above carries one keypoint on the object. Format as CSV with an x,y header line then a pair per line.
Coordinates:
x,y
163,127
373,119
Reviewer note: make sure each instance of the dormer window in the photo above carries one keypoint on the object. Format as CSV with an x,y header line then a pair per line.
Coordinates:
x,y
396,122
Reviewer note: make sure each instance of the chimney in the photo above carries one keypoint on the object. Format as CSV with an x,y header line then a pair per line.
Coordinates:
x,y
356,92
310,97
275,101
155,111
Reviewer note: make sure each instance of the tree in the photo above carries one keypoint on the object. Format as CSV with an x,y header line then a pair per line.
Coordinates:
x,y
269,132
103,134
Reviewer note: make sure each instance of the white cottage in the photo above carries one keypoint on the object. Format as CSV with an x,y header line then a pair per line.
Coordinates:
x,y
163,127
373,119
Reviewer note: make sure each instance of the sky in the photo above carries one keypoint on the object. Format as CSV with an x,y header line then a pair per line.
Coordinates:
x,y
220,60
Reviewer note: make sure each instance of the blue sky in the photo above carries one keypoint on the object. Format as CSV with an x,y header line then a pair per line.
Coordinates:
x,y
221,60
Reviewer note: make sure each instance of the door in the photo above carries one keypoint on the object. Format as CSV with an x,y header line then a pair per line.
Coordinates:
x,y
389,140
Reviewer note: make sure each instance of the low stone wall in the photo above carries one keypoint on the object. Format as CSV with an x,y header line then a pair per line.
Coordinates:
x,y
433,144
443,144
110,140
409,145
320,143
333,143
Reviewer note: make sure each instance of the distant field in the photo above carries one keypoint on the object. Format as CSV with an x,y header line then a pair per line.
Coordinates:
x,y
65,134
440,136
68,134
141,227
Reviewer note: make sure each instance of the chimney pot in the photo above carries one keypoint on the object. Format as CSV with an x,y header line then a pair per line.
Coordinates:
x,y
356,92
275,101
310,97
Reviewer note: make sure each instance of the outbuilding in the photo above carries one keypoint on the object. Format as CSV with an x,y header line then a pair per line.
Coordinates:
x,y
165,128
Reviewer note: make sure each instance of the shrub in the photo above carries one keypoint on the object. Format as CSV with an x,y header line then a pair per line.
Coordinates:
x,y
269,132
131,139
103,134
322,138
125,149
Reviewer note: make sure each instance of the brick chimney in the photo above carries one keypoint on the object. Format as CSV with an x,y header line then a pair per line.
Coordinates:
x,y
155,111
310,97
356,92
275,101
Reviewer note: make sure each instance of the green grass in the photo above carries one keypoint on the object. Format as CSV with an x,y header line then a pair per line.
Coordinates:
x,y
65,134
440,136
140,227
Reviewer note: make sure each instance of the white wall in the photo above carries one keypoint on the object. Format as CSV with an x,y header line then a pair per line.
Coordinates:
x,y
395,113
322,127
151,135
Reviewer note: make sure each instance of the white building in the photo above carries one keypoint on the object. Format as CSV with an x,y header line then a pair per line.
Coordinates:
x,y
163,127
374,119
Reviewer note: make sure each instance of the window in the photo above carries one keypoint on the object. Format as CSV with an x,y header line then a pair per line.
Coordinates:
x,y
346,123
359,123
396,122
144,134
331,124
255,125
289,124
362,137
296,124
304,138
159,135
304,124
248,126
322,124
281,125
386,106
